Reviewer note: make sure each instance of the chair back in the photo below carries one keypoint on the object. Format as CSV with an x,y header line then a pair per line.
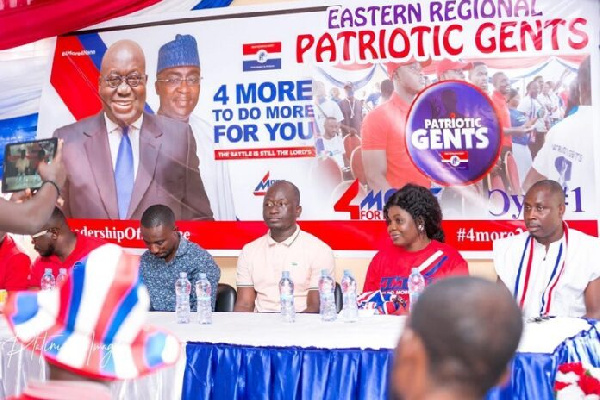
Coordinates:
x,y
351,142
512,173
226,297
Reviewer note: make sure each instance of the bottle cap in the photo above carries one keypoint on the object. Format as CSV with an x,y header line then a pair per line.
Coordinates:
x,y
203,276
183,274
347,272
415,270
47,270
285,274
62,271
324,272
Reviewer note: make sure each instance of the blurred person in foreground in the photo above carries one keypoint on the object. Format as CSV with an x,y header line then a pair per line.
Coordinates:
x,y
413,217
457,343
93,329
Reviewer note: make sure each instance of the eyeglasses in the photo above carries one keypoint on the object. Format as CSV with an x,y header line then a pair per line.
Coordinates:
x,y
133,80
174,82
39,234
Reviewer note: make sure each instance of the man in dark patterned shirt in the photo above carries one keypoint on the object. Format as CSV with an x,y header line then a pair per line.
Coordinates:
x,y
168,254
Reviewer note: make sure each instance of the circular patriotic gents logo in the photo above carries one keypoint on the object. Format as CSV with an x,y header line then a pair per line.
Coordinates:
x,y
453,134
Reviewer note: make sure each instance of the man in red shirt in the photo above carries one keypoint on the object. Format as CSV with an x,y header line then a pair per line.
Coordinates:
x,y
15,265
501,88
59,247
384,153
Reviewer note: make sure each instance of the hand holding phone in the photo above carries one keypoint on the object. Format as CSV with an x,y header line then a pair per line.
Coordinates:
x,y
54,171
26,165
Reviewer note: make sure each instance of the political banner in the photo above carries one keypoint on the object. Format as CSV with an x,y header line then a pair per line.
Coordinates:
x,y
474,99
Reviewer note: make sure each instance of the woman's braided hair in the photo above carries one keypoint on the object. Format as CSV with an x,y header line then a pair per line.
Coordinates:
x,y
423,207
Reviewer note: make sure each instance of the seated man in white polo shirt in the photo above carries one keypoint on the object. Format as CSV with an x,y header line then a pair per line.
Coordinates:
x,y
284,248
550,269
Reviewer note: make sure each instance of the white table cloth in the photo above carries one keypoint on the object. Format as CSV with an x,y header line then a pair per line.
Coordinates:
x,y
18,365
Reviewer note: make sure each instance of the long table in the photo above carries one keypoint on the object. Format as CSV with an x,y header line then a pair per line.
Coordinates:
x,y
257,356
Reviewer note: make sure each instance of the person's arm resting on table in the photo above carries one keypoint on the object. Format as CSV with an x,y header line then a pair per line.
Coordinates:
x,y
246,296
312,301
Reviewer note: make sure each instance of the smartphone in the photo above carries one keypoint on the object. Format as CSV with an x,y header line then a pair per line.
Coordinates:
x,y
21,162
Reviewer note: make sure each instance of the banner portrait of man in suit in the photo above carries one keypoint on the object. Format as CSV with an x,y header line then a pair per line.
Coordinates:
x,y
123,159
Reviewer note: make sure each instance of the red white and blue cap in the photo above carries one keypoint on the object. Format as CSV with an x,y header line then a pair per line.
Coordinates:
x,y
94,324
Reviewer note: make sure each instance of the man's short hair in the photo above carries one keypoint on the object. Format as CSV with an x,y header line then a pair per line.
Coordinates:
x,y
496,77
295,190
552,186
470,328
158,215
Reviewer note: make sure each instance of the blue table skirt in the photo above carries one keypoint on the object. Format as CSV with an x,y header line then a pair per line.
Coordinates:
x,y
229,372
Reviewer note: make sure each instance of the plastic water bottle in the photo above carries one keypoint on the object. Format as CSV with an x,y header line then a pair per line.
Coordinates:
x,y
48,281
183,288
286,295
350,310
203,295
416,285
62,277
327,297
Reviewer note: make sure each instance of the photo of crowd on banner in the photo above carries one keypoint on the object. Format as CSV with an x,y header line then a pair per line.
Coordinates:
x,y
361,134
